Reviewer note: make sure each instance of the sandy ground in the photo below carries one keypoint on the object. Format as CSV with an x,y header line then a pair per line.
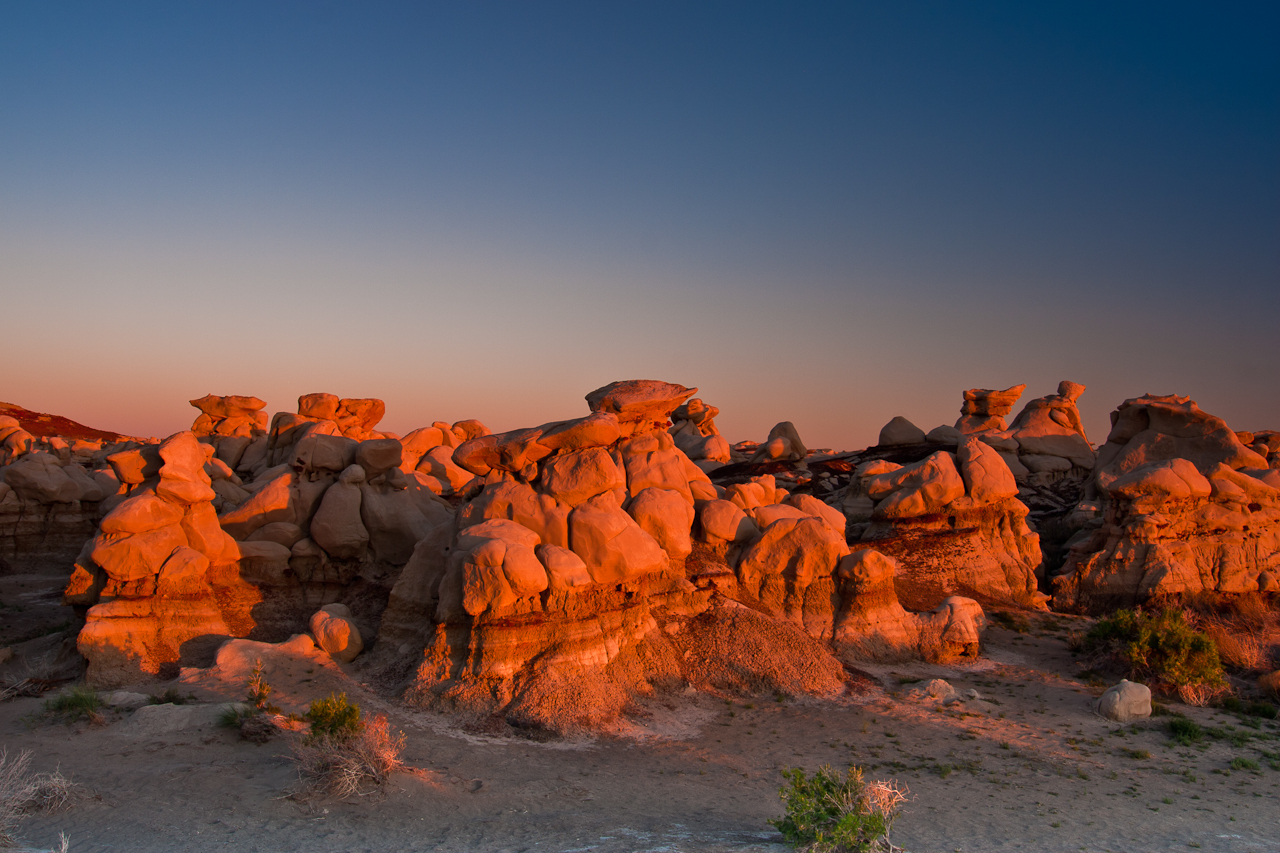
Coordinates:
x,y
1028,767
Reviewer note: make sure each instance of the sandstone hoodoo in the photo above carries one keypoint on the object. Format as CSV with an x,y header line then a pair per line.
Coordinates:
x,y
952,520
234,415
160,577
207,545
1178,503
694,429
598,565
553,577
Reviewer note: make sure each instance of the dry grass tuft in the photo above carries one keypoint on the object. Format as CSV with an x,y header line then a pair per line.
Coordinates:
x,y
1240,650
342,767
1201,694
23,792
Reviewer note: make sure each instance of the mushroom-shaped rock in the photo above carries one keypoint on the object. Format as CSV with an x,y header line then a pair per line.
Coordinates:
x,y
640,401
985,409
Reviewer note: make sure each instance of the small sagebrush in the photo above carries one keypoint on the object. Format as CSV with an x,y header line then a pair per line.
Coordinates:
x,y
334,717
828,813
342,766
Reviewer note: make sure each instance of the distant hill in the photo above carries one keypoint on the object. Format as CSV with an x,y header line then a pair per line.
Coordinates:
x,y
40,424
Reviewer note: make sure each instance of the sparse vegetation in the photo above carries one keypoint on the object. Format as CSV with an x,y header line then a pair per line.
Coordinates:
x,y
76,703
334,718
828,813
259,691
172,697
1185,732
23,792
1161,649
342,766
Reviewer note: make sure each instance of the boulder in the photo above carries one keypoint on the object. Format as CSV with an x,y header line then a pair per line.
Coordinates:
x,y
337,526
614,548
900,431
922,488
1125,701
336,633
667,517
723,521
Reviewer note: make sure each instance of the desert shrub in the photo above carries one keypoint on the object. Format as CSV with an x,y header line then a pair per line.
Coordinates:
x,y
1250,610
258,691
334,717
343,766
828,813
1239,649
75,703
22,792
1161,648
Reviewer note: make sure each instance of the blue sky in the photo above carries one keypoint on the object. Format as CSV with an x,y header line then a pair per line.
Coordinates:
x,y
827,213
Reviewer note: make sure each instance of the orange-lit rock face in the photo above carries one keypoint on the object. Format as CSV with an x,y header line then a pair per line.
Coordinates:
x,y
160,577
985,409
1180,504
953,522
234,415
574,582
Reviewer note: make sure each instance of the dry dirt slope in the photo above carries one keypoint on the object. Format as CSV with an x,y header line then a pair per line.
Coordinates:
x,y
1026,768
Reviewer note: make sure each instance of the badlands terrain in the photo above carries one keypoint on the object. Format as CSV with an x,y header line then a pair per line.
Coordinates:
x,y
613,632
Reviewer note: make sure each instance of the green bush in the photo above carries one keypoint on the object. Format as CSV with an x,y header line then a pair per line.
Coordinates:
x,y
1160,648
334,717
827,813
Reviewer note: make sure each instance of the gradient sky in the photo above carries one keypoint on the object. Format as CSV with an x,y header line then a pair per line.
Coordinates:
x,y
830,213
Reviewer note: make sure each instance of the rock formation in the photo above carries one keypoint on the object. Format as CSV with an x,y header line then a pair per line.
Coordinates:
x,y
1177,504
953,521
52,491
1046,442
694,430
783,444
160,577
985,410
334,521
598,564
234,415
